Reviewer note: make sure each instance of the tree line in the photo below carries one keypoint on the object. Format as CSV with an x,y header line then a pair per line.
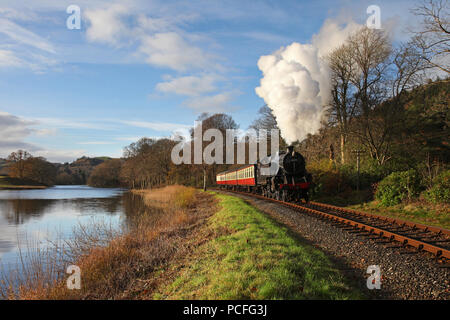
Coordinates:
x,y
25,167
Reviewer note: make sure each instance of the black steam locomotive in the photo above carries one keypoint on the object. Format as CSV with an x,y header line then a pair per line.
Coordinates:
x,y
282,177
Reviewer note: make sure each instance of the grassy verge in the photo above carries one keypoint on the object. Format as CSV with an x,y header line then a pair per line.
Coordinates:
x,y
420,212
252,257
17,184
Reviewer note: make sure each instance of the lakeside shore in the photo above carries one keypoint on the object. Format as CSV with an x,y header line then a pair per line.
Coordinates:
x,y
189,244
22,187
8,183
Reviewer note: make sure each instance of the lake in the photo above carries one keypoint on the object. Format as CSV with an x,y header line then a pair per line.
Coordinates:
x,y
38,215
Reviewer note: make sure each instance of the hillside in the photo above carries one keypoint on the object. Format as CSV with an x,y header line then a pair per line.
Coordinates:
x,y
78,171
3,167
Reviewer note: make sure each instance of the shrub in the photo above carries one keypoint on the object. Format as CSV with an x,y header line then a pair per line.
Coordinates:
x,y
397,187
440,191
328,179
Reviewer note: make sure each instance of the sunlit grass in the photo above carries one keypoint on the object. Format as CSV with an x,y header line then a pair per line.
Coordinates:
x,y
180,197
254,258
419,211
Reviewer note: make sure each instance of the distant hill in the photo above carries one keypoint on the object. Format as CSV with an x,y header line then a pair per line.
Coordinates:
x,y
3,167
78,171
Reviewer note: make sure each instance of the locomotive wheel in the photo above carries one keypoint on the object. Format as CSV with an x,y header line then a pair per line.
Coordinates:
x,y
306,197
283,195
277,195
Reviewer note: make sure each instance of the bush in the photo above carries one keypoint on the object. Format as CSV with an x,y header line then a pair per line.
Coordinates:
x,y
397,187
440,191
328,179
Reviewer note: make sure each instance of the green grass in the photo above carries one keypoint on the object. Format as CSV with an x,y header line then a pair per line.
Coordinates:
x,y
13,183
252,257
420,212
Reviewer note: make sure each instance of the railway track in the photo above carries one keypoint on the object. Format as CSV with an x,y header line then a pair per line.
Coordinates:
x,y
407,234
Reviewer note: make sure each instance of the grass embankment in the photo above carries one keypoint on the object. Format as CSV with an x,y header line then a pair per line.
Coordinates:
x,y
191,248
416,211
8,183
419,211
252,257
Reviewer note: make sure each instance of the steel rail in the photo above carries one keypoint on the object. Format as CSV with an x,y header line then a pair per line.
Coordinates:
x,y
439,252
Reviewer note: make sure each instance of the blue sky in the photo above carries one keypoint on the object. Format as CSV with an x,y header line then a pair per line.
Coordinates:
x,y
144,68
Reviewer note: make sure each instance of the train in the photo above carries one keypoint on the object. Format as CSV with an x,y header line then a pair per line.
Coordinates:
x,y
283,177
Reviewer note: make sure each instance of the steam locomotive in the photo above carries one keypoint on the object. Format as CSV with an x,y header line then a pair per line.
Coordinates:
x,y
282,177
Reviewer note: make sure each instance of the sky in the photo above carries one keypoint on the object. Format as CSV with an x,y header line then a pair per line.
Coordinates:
x,y
146,68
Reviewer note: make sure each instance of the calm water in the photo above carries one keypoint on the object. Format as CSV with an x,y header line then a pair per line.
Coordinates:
x,y
38,215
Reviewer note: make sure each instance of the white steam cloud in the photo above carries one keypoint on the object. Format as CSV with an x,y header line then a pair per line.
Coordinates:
x,y
296,81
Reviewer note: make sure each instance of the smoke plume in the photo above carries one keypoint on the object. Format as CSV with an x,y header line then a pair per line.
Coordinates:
x,y
296,81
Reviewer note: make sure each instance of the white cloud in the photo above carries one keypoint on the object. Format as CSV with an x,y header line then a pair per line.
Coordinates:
x,y
215,103
60,155
9,59
74,124
157,126
170,50
106,25
189,85
159,41
22,48
265,36
23,36
96,142
15,130
129,139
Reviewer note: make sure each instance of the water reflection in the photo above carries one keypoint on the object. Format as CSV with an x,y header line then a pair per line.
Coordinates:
x,y
36,215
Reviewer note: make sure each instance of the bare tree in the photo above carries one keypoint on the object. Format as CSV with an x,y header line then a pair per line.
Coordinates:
x,y
369,78
218,121
266,120
344,102
18,159
434,38
371,50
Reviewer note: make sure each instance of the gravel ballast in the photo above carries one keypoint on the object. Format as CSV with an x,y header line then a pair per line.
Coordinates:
x,y
405,274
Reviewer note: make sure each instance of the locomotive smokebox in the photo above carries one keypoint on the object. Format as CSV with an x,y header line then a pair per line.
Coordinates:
x,y
293,162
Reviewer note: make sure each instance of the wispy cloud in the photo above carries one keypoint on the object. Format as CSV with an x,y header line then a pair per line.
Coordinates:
x,y
23,36
189,85
129,139
14,132
157,126
171,50
97,142
106,25
9,59
221,102
76,124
